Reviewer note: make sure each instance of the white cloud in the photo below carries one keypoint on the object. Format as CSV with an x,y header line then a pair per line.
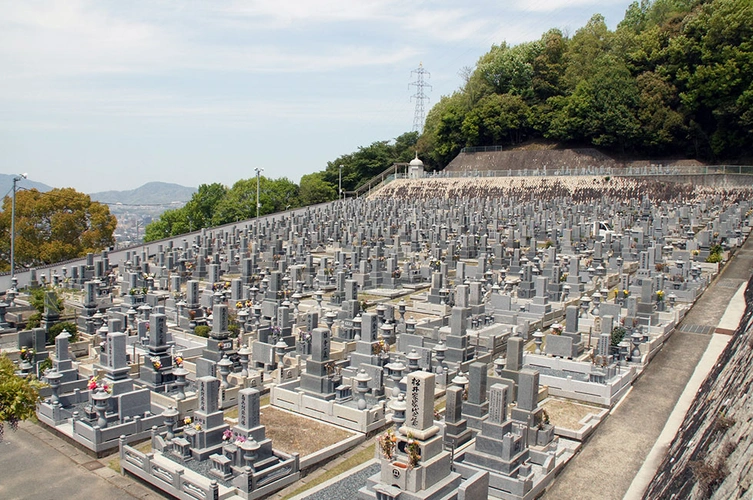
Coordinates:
x,y
555,5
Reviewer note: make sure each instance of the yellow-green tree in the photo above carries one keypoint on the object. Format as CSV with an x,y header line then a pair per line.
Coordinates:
x,y
57,225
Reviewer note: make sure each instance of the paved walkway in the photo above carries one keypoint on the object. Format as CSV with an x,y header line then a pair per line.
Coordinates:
x,y
34,463
612,458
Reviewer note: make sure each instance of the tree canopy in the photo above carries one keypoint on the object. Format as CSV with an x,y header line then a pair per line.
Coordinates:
x,y
675,78
214,204
57,225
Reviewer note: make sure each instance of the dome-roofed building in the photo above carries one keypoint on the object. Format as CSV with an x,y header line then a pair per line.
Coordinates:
x,y
415,168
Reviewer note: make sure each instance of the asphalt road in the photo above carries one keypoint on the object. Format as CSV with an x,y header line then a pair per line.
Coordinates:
x,y
37,464
609,461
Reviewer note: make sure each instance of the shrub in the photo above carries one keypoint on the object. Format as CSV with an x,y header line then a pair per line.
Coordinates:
x,y
56,329
709,475
618,333
202,331
723,422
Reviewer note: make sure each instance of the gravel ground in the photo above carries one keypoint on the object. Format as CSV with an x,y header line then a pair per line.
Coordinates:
x,y
346,488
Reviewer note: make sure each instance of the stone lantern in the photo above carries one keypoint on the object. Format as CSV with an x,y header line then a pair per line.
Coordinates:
x,y
499,365
413,357
180,374
398,407
170,415
244,352
636,338
249,447
440,350
224,364
242,319
329,320
388,333
585,303
296,298
280,348
53,378
538,337
395,372
410,325
357,322
100,398
460,380
596,298
362,380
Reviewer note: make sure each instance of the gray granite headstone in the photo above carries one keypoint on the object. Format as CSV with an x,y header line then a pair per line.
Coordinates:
x,y
498,401
116,350
454,404
369,327
219,319
157,330
208,389
420,411
514,353
528,389
248,408
477,386
320,344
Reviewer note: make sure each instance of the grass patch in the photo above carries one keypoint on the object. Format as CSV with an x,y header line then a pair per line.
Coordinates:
x,y
357,459
114,464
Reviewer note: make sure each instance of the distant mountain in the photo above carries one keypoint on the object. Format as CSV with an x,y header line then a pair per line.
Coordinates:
x,y
151,193
6,185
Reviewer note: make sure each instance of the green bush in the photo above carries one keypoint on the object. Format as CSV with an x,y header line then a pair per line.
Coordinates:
x,y
57,328
34,321
202,331
618,333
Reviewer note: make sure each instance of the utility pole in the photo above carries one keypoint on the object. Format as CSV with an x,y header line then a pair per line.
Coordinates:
x,y
420,115
258,203
13,226
341,182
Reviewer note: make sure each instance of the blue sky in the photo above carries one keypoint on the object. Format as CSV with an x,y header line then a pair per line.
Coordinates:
x,y
101,95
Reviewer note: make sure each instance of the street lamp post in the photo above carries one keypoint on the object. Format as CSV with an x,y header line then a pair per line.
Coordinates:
x,y
13,226
341,182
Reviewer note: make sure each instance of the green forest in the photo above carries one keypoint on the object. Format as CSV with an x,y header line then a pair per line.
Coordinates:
x,y
675,78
